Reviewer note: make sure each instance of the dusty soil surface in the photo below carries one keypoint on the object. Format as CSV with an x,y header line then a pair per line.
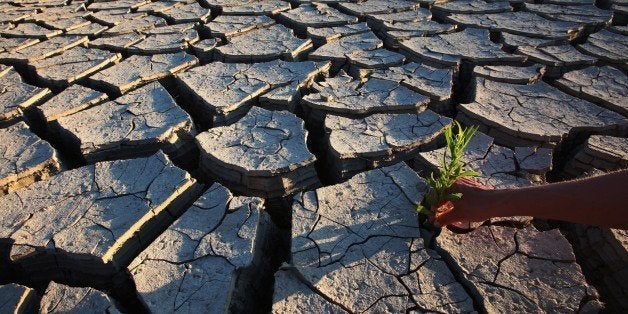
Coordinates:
x,y
251,156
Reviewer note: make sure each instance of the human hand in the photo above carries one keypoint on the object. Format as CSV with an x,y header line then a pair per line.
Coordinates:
x,y
466,210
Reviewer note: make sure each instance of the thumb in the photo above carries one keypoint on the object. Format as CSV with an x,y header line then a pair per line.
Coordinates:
x,y
446,218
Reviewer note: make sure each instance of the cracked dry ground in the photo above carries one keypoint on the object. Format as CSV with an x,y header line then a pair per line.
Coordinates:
x,y
268,156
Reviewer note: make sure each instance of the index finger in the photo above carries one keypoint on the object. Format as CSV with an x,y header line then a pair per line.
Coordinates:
x,y
470,182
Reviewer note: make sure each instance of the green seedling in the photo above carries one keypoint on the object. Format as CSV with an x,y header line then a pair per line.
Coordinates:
x,y
450,170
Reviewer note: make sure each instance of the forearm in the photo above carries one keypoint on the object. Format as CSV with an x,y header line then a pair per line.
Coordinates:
x,y
600,201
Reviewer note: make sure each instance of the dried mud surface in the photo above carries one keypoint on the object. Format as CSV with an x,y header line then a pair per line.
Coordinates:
x,y
229,156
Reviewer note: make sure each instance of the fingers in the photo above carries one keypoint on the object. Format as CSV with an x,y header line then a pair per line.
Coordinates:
x,y
475,183
461,225
449,219
457,217
463,211
466,180
445,218
470,183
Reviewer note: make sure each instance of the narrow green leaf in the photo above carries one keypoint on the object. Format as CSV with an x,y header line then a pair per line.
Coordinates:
x,y
469,173
451,166
424,211
454,196
430,198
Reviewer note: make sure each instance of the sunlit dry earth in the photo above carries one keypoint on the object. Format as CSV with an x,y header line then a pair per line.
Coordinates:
x,y
268,156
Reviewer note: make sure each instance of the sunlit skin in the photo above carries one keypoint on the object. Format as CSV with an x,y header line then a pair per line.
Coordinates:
x,y
598,201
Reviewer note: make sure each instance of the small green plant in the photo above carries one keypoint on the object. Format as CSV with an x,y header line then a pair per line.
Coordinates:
x,y
457,139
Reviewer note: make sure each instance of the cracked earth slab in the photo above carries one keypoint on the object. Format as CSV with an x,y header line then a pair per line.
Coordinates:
x,y
605,86
225,26
60,298
10,44
247,7
220,93
113,17
64,18
264,44
263,154
138,70
14,16
519,23
200,263
291,295
517,115
64,24
25,158
165,40
363,62
377,7
139,123
599,154
567,2
397,26
357,246
71,100
607,46
16,298
470,7
116,5
581,14
137,24
204,49
91,29
161,6
44,4
557,59
16,96
116,43
28,30
5,69
345,96
533,160
510,74
436,83
315,15
328,2
289,91
42,50
619,29
518,269
394,34
186,13
603,255
338,50
512,41
159,40
94,217
377,20
323,35
471,45
72,65
355,145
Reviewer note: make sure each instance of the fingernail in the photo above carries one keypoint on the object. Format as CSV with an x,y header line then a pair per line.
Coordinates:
x,y
436,224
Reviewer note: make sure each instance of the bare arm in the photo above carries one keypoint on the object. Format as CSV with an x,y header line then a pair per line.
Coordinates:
x,y
599,201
